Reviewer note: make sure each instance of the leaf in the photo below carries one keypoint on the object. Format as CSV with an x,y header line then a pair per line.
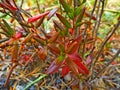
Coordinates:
x,y
18,35
58,25
73,46
39,22
80,17
78,61
52,12
42,54
81,67
35,18
77,10
55,50
75,56
8,6
73,67
65,6
28,38
53,67
63,20
9,29
65,70
53,38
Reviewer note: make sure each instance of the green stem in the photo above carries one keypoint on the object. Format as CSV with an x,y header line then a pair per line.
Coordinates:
x,y
35,81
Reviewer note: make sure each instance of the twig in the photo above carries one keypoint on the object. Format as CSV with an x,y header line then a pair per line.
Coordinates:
x,y
21,3
104,68
38,6
85,37
8,77
104,43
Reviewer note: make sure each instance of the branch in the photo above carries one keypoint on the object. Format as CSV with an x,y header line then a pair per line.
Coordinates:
x,y
104,68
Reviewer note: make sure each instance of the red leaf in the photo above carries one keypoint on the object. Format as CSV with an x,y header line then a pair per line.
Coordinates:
x,y
52,12
34,18
75,56
73,46
26,58
8,6
53,67
65,70
81,67
18,35
71,64
78,61
54,49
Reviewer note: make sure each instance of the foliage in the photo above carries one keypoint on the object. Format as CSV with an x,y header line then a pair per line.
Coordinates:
x,y
74,43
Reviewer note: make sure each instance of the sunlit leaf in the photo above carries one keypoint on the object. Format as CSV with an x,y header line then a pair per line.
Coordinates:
x,y
35,18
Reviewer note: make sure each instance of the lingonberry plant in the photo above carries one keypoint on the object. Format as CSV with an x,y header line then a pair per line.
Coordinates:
x,y
70,43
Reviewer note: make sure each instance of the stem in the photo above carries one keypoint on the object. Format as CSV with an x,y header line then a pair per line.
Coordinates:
x,y
35,81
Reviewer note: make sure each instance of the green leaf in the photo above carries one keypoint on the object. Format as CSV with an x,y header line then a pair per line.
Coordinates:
x,y
80,17
65,6
2,16
68,9
71,15
10,30
61,57
77,10
63,20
